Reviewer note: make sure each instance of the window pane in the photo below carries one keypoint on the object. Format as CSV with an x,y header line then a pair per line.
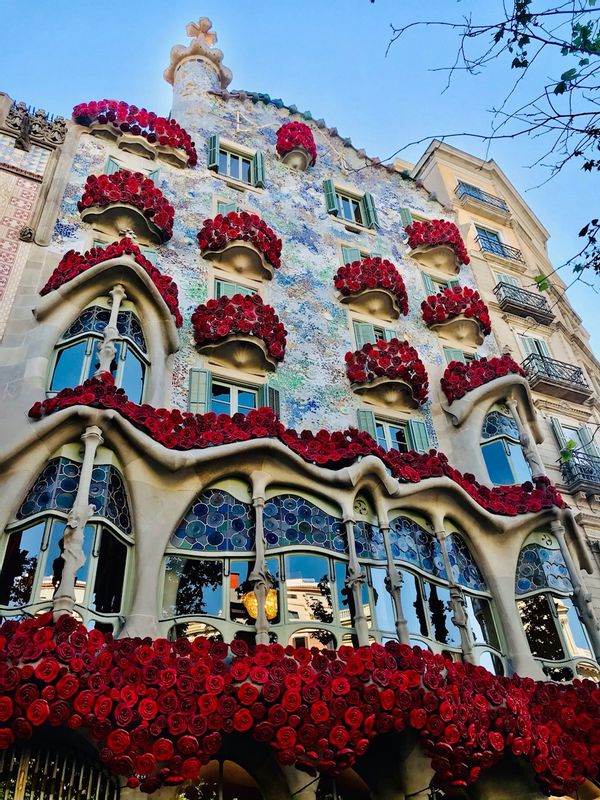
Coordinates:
x,y
193,586
245,170
308,588
412,605
222,162
238,586
492,663
496,461
69,363
54,561
246,400
381,438
379,334
540,628
384,606
357,212
346,208
482,622
520,466
19,565
438,599
110,574
398,438
221,399
574,631
132,379
345,597
234,166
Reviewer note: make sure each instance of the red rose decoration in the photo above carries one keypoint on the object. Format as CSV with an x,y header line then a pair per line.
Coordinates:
x,y
296,136
453,302
393,359
118,741
38,712
435,232
459,378
215,233
372,273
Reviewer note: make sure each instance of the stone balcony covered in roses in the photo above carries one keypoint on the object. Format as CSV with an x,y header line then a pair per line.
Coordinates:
x,y
388,373
138,131
296,145
458,315
372,286
437,244
240,332
127,201
241,243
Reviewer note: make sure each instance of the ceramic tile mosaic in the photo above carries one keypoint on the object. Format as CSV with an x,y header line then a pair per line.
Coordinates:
x,y
34,160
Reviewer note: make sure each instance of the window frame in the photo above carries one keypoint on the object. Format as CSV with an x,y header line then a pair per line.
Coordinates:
x,y
505,440
235,388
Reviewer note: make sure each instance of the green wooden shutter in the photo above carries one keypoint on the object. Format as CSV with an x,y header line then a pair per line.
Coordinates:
x,y
419,439
151,254
258,170
364,332
529,345
389,334
376,255
213,152
350,254
154,175
199,391
453,283
588,443
428,284
558,432
453,354
366,422
226,288
406,216
112,166
543,348
268,397
330,197
225,208
502,277
370,211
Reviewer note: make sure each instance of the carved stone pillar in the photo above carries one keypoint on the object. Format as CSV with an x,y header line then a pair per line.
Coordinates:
x,y
394,581
111,332
457,601
259,577
581,597
527,442
354,584
73,556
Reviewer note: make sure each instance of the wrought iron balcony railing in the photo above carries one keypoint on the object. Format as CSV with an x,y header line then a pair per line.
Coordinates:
x,y
519,301
556,378
500,249
465,190
582,472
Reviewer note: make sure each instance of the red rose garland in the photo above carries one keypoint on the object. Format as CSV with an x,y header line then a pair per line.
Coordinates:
x,y
394,359
241,314
74,263
139,122
157,710
372,273
452,302
459,378
217,232
429,233
134,189
294,135
178,430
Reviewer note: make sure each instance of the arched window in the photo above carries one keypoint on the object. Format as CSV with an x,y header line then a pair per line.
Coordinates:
x,y
425,593
76,354
33,543
207,564
544,590
501,448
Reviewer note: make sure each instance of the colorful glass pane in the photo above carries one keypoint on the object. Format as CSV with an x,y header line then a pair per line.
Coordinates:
x,y
498,424
96,318
541,568
414,545
464,569
369,541
290,520
216,521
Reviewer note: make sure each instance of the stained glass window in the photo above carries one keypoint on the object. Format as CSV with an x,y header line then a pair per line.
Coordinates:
x,y
291,520
498,424
216,521
541,568
414,545
464,570
369,541
95,319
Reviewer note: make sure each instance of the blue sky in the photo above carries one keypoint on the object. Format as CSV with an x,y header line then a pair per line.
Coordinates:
x,y
326,56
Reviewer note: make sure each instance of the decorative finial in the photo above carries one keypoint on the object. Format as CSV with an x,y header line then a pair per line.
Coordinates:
x,y
201,45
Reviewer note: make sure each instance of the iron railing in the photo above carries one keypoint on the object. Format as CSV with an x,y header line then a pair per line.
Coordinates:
x,y
581,469
529,303
537,366
466,190
500,249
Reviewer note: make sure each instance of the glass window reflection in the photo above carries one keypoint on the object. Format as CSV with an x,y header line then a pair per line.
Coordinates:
x,y
193,587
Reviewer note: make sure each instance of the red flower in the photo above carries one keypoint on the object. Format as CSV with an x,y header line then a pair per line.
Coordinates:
x,y
215,233
47,670
459,378
456,301
294,136
435,232
243,720
371,273
118,741
393,359
38,712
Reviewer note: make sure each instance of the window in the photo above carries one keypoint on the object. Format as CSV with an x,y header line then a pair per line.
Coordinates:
x,y
531,346
365,333
584,461
354,208
544,600
235,164
112,166
454,354
392,434
434,285
227,397
33,544
507,280
148,252
77,352
501,448
350,254
224,288
225,208
489,240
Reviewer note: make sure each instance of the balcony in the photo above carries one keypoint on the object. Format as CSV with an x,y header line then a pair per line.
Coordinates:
x,y
478,200
556,378
499,249
581,473
526,304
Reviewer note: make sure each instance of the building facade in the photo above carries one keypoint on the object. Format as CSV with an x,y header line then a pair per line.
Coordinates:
x,y
262,390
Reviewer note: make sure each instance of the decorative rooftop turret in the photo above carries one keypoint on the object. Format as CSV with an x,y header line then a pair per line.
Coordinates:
x,y
200,52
